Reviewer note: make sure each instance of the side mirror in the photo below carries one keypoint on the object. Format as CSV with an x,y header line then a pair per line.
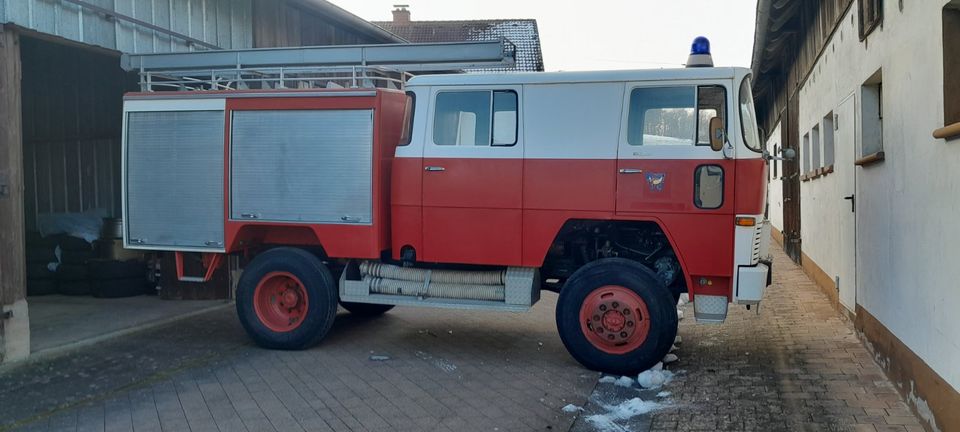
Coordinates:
x,y
718,136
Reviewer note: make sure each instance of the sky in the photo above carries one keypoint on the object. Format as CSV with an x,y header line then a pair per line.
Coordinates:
x,y
602,34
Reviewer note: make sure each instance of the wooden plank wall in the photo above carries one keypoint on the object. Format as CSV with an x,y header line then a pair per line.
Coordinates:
x,y
281,23
815,23
72,114
12,265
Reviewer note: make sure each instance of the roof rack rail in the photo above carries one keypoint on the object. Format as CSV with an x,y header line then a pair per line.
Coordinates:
x,y
353,66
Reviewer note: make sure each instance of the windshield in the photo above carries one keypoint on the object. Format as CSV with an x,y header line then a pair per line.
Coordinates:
x,y
748,117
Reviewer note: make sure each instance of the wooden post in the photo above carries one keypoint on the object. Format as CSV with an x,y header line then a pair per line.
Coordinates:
x,y
14,322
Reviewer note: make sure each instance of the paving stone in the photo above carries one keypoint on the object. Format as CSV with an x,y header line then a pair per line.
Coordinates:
x,y
796,364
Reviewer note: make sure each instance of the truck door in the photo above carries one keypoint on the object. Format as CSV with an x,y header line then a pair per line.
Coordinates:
x,y
664,160
472,177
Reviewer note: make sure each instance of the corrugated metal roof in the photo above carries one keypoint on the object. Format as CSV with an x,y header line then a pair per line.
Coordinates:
x,y
523,33
220,23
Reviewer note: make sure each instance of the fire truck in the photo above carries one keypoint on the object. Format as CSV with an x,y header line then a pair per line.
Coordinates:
x,y
340,178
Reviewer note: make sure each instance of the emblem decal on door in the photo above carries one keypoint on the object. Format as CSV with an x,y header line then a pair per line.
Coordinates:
x,y
656,181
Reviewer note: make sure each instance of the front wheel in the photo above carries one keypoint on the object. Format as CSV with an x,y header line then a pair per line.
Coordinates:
x,y
615,316
286,299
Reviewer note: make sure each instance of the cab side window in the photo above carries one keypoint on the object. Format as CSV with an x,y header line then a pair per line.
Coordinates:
x,y
674,116
475,118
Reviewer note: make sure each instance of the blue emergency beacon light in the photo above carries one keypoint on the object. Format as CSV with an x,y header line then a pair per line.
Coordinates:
x,y
700,53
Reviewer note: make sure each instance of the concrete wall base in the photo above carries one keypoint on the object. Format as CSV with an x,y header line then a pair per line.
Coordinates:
x,y
15,337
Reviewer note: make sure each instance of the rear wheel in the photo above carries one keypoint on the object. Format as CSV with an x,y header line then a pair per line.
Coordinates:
x,y
615,316
366,309
286,299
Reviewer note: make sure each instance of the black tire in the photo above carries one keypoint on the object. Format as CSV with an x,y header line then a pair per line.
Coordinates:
x,y
117,288
40,255
99,269
79,257
366,309
72,272
641,281
39,271
70,243
74,288
39,287
33,239
320,290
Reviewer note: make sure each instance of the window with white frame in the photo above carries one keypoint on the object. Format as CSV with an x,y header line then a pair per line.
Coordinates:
x,y
871,16
871,119
815,148
475,118
805,163
951,63
828,136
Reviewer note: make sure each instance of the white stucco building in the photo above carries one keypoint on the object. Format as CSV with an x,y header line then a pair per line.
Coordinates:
x,y
868,94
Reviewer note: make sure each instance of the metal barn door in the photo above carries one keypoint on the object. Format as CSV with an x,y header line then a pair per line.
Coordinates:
x,y
845,125
311,166
173,183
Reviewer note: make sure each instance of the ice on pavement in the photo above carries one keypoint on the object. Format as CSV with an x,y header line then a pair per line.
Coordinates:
x,y
571,408
678,340
608,379
623,411
664,394
670,358
652,379
624,381
658,366
679,314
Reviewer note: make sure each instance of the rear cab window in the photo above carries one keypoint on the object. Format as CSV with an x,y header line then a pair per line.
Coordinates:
x,y
475,118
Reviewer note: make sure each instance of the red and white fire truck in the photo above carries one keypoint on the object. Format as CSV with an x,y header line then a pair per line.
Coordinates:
x,y
359,185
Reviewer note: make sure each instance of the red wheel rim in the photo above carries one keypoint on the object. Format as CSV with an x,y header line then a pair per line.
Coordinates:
x,y
614,319
280,301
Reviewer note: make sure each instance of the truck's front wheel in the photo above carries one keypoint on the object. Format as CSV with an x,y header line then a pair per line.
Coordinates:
x,y
286,299
614,315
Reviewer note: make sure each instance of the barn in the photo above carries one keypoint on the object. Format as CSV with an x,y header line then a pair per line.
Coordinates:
x,y
61,88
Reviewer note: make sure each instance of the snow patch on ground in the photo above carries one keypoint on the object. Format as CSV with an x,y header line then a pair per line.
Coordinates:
x,y
608,379
664,394
670,358
571,408
624,381
653,379
438,362
624,411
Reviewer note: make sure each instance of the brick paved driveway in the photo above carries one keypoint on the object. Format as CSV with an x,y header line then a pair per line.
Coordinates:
x,y
795,366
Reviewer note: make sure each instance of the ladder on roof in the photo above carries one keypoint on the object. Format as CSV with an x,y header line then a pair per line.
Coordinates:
x,y
352,66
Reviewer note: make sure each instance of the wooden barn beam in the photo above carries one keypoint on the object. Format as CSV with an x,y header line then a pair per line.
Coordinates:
x,y
14,323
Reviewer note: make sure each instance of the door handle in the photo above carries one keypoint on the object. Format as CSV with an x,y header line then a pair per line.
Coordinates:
x,y
853,201
434,168
629,171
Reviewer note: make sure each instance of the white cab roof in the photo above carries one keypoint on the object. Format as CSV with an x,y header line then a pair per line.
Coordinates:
x,y
578,77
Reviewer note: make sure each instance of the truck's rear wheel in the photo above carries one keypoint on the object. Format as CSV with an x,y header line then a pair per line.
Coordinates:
x,y
366,309
615,316
286,299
